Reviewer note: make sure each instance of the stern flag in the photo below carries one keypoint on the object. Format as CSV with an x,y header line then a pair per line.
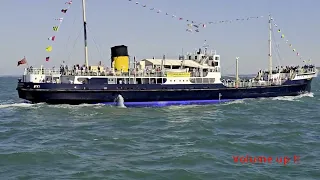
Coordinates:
x,y
22,61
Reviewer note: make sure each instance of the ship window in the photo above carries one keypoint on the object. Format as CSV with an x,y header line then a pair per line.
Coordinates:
x,y
195,57
189,57
217,58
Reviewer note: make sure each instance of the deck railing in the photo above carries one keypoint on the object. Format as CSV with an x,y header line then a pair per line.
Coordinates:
x,y
252,83
132,73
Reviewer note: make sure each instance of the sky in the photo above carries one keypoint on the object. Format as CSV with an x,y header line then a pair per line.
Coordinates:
x,y
27,24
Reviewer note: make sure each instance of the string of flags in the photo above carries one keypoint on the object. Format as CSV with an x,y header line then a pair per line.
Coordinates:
x,y
294,50
56,28
194,26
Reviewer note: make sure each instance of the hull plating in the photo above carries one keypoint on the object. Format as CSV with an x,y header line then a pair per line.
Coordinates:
x,y
153,95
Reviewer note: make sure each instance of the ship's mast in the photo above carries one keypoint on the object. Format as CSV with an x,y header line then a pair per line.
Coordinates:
x,y
85,32
270,48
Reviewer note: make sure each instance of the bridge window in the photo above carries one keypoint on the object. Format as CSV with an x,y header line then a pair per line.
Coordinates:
x,y
217,58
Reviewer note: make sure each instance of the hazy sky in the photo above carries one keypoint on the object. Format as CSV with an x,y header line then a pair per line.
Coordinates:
x,y
27,24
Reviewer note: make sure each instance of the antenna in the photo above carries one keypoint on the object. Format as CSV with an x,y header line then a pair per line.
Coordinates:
x,y
270,47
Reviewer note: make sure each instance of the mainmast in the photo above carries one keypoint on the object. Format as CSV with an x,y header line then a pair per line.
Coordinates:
x,y
270,47
85,32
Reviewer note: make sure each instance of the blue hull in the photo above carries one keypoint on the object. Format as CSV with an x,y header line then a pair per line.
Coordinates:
x,y
169,103
152,94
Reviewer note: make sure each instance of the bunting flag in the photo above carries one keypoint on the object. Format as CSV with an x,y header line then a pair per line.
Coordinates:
x,y
49,49
59,19
56,28
279,30
52,38
64,10
194,24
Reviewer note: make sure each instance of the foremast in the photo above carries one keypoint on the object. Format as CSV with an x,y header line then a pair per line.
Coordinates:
x,y
270,48
85,32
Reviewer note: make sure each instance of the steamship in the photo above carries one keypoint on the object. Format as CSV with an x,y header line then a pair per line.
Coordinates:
x,y
193,78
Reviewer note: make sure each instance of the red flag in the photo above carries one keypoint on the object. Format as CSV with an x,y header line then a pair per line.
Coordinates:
x,y
22,61
47,58
64,10
69,2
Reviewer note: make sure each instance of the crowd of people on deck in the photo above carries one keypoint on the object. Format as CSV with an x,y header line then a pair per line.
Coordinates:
x,y
77,69
288,69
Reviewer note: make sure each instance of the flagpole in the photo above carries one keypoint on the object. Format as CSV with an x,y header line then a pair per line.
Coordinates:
x,y
135,68
85,32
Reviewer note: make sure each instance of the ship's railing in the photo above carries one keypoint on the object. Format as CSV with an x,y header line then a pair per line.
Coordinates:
x,y
306,70
41,71
252,83
131,73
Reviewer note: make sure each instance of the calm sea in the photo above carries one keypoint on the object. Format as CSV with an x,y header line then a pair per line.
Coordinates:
x,y
179,142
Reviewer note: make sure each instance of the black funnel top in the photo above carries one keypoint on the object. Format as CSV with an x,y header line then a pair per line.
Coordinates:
x,y
121,50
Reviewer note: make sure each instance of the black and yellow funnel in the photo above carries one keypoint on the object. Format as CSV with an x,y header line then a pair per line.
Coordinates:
x,y
120,58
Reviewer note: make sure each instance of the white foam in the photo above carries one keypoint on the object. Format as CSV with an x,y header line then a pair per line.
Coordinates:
x,y
238,101
23,105
120,101
67,106
293,98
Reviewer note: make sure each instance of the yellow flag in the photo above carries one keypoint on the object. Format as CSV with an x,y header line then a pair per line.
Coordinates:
x,y
49,49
